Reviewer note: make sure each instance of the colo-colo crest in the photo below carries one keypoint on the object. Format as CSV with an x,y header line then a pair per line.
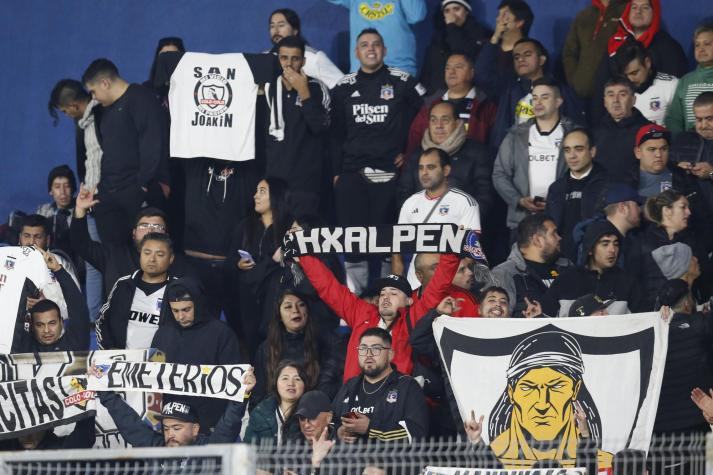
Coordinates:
x,y
213,96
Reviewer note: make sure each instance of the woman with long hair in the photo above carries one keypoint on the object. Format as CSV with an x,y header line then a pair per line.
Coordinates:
x,y
253,256
165,45
271,419
292,334
670,216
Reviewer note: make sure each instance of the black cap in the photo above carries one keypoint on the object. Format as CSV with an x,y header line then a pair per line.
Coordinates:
x,y
586,305
673,291
620,193
394,280
312,403
178,410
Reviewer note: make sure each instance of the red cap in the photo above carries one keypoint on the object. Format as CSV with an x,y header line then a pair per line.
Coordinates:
x,y
652,131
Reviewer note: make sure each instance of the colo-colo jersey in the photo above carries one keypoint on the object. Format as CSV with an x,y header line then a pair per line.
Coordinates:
x,y
371,115
212,100
653,102
18,265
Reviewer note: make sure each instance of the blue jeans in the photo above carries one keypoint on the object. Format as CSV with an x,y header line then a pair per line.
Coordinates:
x,y
93,288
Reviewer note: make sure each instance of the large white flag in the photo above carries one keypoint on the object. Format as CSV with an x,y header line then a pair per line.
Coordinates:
x,y
525,376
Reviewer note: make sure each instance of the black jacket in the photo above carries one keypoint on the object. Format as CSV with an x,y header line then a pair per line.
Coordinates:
x,y
371,116
76,327
113,260
576,281
690,147
495,70
82,437
259,286
208,341
591,194
687,367
642,266
471,171
217,194
135,431
134,140
667,57
293,349
113,320
447,40
615,145
400,413
299,157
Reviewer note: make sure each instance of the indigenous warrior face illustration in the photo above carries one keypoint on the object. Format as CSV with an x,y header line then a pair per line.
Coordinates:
x,y
535,416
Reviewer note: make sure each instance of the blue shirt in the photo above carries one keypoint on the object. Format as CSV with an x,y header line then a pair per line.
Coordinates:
x,y
391,18
651,184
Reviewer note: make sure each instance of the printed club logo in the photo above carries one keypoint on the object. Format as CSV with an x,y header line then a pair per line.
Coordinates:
x,y
213,94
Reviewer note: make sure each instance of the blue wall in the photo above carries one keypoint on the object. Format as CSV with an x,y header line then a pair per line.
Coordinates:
x,y
42,41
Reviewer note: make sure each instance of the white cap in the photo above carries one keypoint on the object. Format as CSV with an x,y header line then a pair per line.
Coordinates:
x,y
464,3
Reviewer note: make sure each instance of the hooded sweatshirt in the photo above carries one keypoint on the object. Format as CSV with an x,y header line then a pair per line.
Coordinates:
x,y
208,341
666,52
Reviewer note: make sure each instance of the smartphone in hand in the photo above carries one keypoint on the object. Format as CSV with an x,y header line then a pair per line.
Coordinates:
x,y
245,255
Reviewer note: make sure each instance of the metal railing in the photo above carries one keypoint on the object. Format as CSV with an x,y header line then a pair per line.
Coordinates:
x,y
219,459
668,455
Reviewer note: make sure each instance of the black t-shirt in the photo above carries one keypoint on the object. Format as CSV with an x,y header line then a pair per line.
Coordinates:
x,y
572,213
148,288
367,397
545,271
462,106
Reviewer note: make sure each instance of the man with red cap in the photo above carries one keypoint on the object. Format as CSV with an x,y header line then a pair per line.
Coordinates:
x,y
655,172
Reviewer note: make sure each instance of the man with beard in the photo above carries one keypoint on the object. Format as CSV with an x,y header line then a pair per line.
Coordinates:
x,y
285,22
533,263
188,334
438,202
494,303
48,331
179,421
380,403
599,276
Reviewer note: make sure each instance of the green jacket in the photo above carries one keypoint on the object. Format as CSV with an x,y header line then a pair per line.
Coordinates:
x,y
583,51
263,424
679,116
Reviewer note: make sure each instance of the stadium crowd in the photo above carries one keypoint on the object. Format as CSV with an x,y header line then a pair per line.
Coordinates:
x,y
592,192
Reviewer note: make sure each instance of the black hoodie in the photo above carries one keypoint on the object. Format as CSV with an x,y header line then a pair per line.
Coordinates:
x,y
76,327
208,341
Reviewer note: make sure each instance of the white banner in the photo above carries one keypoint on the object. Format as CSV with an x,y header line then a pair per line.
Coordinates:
x,y
526,375
489,471
218,381
26,366
30,405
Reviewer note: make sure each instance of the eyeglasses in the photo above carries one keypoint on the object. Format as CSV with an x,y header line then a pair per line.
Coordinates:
x,y
374,350
152,226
